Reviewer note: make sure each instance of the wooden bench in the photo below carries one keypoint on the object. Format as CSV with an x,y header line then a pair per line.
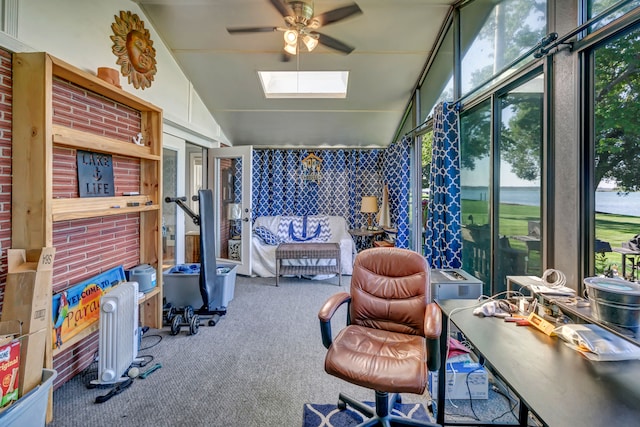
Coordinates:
x,y
302,251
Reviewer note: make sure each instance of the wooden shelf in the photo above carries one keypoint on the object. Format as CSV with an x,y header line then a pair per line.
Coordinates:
x,y
79,208
80,140
34,136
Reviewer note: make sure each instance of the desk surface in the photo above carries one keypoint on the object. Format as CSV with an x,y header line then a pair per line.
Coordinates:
x,y
559,385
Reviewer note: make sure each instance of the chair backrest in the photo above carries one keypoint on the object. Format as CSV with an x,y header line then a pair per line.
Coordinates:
x,y
390,289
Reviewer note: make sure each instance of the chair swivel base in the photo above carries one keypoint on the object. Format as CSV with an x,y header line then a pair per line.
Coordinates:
x,y
380,415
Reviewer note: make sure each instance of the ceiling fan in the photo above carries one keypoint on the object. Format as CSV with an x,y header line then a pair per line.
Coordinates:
x,y
301,23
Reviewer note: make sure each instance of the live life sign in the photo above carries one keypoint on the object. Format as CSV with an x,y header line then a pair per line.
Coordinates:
x,y
95,174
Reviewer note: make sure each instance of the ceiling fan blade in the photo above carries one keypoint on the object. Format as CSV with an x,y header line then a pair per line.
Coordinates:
x,y
338,14
282,7
334,43
241,30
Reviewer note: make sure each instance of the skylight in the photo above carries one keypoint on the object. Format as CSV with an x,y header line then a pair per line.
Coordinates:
x,y
304,84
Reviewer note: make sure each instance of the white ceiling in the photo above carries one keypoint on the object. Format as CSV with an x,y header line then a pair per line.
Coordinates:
x,y
392,40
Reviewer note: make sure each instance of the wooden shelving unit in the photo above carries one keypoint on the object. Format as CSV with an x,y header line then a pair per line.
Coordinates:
x,y
34,209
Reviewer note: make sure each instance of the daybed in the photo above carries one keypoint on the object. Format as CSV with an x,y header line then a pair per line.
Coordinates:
x,y
269,231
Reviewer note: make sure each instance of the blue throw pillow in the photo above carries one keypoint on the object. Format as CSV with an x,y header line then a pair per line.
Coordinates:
x,y
267,236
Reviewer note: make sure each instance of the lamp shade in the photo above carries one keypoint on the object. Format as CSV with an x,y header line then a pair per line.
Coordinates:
x,y
234,211
369,204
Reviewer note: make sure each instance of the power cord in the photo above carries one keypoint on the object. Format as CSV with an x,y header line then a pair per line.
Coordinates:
x,y
509,399
554,279
159,337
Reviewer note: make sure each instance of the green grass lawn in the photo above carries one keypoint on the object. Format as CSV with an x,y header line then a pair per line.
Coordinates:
x,y
514,220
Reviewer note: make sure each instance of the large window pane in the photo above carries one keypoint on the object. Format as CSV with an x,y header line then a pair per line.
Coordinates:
x,y
519,211
597,7
494,33
616,169
438,84
475,148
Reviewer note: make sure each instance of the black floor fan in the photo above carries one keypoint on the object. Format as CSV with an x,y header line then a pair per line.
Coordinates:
x,y
211,293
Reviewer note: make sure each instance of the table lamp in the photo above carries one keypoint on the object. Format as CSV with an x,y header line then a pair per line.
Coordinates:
x,y
369,206
234,213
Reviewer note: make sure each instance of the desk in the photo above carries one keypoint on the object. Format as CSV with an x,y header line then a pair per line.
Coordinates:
x,y
558,385
366,237
626,252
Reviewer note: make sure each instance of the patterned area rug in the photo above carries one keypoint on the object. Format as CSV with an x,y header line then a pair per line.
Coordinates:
x,y
318,415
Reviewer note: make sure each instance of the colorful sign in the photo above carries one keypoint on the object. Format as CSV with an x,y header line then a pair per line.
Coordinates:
x,y
76,308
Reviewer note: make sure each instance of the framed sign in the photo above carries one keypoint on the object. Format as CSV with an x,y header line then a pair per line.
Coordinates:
x,y
95,174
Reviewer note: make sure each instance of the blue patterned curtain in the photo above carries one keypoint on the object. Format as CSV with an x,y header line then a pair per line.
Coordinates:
x,y
346,176
443,247
396,173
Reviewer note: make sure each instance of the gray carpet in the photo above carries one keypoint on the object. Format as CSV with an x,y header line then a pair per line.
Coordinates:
x,y
257,367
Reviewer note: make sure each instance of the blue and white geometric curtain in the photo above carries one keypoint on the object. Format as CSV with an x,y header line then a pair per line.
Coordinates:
x,y
396,173
346,176
443,247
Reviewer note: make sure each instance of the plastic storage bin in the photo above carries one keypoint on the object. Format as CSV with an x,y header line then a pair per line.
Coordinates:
x,y
145,275
31,409
181,285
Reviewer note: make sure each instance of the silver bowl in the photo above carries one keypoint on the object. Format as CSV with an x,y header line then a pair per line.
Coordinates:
x,y
615,301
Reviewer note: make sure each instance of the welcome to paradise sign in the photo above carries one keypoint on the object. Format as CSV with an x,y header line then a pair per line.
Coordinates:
x,y
78,307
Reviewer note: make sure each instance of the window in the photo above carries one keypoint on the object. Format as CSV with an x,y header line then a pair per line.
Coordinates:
x,y
501,186
597,7
475,180
519,182
615,150
438,86
493,35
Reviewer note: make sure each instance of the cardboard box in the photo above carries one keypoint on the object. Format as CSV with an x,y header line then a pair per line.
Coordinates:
x,y
459,373
32,348
9,370
27,294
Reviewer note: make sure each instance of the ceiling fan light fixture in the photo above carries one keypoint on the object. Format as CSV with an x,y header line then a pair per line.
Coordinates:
x,y
310,42
290,37
291,49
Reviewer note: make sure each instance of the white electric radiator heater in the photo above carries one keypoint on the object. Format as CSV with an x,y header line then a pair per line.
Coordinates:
x,y
118,336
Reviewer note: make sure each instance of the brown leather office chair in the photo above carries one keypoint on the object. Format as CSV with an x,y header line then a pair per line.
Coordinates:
x,y
392,335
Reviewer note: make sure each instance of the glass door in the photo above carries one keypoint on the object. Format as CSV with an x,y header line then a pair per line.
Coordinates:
x,y
230,178
169,211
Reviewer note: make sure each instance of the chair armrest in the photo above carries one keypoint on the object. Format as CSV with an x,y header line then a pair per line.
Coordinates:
x,y
326,313
432,332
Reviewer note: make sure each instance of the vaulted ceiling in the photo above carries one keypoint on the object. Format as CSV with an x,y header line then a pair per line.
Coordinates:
x,y
392,40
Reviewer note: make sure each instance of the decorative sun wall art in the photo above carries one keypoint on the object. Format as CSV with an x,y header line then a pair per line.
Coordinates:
x,y
133,46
